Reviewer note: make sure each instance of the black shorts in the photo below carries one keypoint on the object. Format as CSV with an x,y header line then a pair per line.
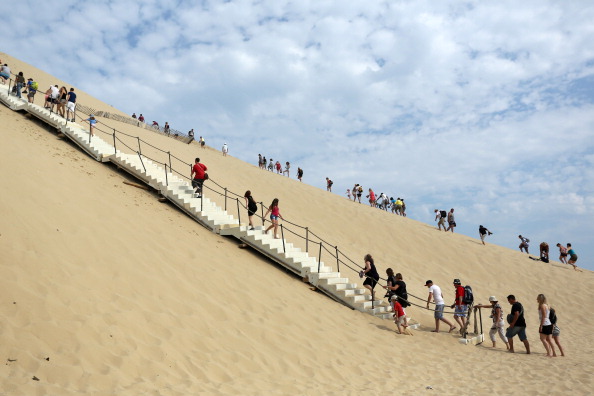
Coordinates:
x,y
371,282
251,212
547,330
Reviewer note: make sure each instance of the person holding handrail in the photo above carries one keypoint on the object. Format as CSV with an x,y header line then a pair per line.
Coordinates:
x,y
92,122
274,211
498,322
251,206
20,83
198,175
371,275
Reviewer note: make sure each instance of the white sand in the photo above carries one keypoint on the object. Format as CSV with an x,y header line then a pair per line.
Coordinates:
x,y
126,295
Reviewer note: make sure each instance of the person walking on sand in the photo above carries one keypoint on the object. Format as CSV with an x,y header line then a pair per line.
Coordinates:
x,y
562,253
440,217
299,174
271,165
437,296
498,323
348,193
524,244
359,192
355,191
225,150
274,211
371,275
451,220
483,232
545,329
278,167
399,316
460,308
202,142
572,257
198,175
252,207
517,324
556,330
287,169
371,197
329,184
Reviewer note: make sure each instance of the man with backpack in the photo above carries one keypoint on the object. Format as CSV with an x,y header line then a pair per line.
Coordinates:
x,y
517,324
460,304
441,216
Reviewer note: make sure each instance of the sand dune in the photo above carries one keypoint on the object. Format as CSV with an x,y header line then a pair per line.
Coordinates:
x,y
107,291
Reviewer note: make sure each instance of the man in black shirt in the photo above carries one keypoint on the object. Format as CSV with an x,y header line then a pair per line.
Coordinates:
x,y
517,324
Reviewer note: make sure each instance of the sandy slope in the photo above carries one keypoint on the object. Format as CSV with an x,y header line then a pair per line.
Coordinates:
x,y
126,295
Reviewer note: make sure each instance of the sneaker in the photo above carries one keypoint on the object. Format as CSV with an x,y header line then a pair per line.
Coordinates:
x,y
252,228
198,196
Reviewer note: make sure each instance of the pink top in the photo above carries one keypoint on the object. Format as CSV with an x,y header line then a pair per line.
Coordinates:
x,y
275,211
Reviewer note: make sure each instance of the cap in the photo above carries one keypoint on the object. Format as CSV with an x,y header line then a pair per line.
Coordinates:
x,y
29,79
457,281
394,297
91,115
428,282
493,299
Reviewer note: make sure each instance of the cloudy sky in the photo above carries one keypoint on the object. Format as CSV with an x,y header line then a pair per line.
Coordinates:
x,y
486,107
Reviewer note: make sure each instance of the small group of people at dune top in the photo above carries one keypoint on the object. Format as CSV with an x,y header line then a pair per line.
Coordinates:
x,y
441,216
564,251
397,206
272,166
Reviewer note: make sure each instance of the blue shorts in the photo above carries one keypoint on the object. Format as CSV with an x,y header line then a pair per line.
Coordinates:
x,y
273,217
520,331
438,314
4,75
460,310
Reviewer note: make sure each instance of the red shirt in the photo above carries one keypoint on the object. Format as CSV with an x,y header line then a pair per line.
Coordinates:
x,y
459,293
398,309
198,170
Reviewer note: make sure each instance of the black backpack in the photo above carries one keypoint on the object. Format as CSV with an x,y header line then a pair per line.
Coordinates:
x,y
552,316
443,213
468,298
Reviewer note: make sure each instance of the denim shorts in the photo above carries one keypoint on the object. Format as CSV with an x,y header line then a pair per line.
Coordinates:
x,y
273,217
516,330
438,314
460,310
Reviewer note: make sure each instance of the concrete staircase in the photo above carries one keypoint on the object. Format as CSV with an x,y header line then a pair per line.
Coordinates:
x,y
207,213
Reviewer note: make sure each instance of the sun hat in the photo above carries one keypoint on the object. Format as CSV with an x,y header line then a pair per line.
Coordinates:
x,y
493,299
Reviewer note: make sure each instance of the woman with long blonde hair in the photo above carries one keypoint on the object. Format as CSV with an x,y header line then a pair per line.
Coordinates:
x,y
545,328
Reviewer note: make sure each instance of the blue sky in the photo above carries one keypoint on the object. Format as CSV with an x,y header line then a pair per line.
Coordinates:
x,y
487,107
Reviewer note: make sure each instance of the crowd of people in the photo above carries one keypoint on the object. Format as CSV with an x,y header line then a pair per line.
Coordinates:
x,y
58,99
396,293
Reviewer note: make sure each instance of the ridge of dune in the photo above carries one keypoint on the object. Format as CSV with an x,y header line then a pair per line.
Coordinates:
x,y
126,295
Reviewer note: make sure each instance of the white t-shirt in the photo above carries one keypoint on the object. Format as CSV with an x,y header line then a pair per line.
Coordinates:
x,y
437,298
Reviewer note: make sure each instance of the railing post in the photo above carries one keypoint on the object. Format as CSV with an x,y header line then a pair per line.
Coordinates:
x,y
115,150
169,153
225,198
166,178
306,239
201,195
238,211
139,150
262,207
90,129
320,257
141,161
283,238
337,260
